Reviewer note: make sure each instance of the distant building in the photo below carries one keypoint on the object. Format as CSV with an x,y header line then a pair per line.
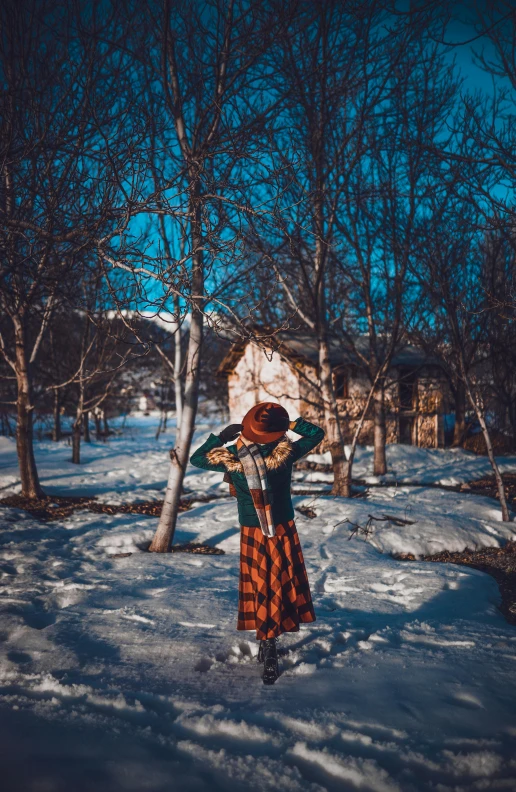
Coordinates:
x,y
414,397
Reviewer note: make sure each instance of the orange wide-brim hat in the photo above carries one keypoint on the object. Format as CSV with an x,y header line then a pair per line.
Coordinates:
x,y
256,421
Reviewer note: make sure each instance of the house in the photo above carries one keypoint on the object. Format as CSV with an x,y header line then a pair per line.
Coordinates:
x,y
415,395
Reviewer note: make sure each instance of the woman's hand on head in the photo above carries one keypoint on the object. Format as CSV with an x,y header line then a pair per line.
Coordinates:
x,y
276,422
231,432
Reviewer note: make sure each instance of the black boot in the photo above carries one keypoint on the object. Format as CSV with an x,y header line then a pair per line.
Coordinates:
x,y
270,662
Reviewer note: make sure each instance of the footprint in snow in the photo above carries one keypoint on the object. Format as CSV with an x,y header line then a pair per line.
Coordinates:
x,y
38,619
203,665
19,657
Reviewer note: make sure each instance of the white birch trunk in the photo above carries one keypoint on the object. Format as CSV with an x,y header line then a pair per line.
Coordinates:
x,y
178,390
179,455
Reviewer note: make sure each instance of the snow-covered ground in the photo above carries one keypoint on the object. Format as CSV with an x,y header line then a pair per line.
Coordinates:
x,y
411,465
128,673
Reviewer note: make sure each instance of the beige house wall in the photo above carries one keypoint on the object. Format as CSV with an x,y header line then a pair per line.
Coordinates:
x,y
350,409
258,377
429,423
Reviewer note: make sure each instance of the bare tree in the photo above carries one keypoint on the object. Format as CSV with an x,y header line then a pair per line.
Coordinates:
x,y
451,274
341,139
198,83
385,193
102,352
66,155
498,274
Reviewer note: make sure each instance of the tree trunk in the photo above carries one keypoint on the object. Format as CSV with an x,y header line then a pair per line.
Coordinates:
x,y
459,432
98,427
380,434
341,485
490,452
512,420
179,455
334,440
178,364
356,435
56,430
86,419
179,404
480,416
106,425
76,438
31,487
158,430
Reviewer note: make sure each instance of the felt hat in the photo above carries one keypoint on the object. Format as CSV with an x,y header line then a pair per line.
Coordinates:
x,y
256,422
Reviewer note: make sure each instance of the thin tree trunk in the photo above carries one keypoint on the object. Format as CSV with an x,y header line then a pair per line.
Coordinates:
x,y
481,419
106,425
178,364
331,422
98,427
86,420
354,442
331,414
76,437
158,430
512,420
489,446
56,429
31,487
178,390
179,455
380,434
459,431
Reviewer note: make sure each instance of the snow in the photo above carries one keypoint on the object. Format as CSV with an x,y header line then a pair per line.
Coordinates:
x,y
413,465
128,673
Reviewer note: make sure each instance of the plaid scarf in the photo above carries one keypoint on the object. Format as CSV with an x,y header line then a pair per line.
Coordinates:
x,y
256,476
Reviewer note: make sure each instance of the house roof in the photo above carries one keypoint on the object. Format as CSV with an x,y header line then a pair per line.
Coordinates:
x,y
303,347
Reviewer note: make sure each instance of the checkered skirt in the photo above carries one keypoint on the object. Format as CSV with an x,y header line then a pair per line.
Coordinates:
x,y
273,593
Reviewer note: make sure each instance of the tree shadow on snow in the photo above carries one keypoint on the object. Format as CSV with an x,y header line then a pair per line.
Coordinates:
x,y
86,647
58,755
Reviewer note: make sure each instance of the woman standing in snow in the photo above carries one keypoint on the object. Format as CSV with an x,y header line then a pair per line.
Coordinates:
x,y
274,593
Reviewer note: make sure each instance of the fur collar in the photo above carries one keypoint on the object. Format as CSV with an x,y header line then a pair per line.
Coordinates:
x,y
277,457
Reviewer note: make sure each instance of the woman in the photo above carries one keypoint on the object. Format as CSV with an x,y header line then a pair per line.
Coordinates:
x,y
274,594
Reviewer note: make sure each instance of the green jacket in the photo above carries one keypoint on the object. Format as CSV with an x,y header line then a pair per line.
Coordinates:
x,y
279,458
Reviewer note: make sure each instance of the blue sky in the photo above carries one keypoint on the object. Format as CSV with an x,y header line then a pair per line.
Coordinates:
x,y
459,32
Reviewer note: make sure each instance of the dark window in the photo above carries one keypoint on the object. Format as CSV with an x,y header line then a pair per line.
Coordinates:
x,y
407,382
406,429
341,383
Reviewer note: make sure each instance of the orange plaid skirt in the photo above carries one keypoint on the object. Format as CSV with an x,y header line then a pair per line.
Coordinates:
x,y
273,594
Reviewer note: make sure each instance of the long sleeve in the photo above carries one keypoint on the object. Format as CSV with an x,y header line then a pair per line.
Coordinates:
x,y
311,436
198,458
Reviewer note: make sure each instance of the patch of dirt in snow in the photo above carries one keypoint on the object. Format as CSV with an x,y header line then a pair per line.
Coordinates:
x,y
487,486
187,547
58,507
499,562
47,508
